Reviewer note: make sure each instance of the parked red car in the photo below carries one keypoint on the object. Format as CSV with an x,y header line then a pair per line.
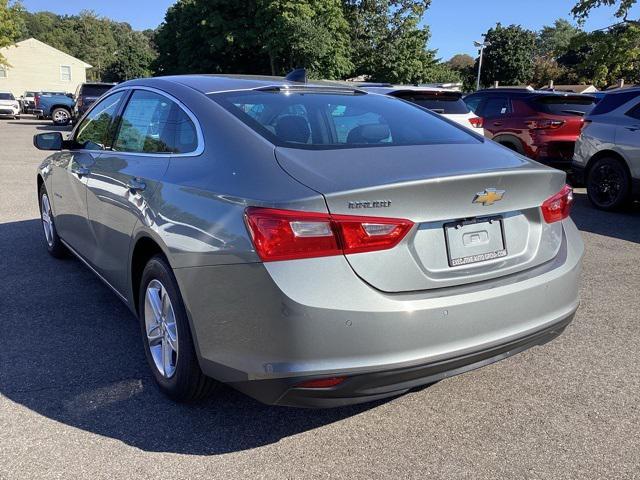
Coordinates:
x,y
543,126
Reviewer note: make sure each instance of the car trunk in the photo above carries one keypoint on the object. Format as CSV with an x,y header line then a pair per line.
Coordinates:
x,y
454,240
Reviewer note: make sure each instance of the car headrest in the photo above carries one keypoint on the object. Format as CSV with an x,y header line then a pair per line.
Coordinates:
x,y
369,133
293,128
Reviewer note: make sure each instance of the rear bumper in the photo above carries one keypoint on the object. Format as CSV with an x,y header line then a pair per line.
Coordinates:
x,y
368,387
265,327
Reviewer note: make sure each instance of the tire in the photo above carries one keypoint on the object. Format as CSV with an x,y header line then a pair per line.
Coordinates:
x,y
512,146
61,116
55,247
608,184
177,373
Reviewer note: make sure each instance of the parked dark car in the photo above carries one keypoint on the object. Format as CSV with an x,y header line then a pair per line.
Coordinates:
x,y
543,126
86,94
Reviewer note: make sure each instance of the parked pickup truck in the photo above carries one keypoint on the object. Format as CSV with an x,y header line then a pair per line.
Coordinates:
x,y
57,106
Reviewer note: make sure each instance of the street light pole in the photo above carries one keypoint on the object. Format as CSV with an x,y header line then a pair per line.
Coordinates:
x,y
481,46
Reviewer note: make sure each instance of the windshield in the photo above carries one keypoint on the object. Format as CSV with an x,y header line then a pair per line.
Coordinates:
x,y
325,120
561,105
52,93
7,96
29,94
439,102
94,90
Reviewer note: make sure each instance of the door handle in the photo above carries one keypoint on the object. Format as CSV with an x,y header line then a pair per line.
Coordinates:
x,y
80,171
136,185
497,124
633,128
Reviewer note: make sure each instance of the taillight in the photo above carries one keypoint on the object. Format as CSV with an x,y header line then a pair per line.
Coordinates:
x,y
287,235
476,122
545,124
558,206
36,100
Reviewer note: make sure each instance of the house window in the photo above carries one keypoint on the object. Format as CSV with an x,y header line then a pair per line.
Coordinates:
x,y
65,73
3,72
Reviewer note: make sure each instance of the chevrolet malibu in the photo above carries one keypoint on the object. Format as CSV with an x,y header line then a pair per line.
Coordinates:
x,y
308,244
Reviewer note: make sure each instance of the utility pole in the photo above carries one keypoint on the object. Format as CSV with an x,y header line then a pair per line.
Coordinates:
x,y
481,46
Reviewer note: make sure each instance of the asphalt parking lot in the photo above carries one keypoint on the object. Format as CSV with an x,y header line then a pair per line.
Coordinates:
x,y
77,400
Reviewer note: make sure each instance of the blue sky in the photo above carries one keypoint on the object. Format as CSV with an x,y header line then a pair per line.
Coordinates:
x,y
454,24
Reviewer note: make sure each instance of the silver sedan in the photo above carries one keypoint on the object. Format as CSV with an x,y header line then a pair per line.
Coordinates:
x,y
308,244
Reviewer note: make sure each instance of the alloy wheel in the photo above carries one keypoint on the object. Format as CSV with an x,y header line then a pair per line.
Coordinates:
x,y
160,327
606,184
60,116
47,219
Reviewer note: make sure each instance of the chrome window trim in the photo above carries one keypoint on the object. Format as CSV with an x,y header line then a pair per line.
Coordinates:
x,y
199,147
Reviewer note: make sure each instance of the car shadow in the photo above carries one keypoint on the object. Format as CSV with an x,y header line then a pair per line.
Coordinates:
x,y
71,351
624,225
43,125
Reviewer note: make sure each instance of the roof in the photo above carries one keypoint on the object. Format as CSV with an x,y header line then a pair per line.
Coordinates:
x,y
34,41
223,83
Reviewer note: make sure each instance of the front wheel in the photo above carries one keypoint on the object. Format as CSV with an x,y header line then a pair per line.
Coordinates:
x,y
61,116
54,245
608,184
166,335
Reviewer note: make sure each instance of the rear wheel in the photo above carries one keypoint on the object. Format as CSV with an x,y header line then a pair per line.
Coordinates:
x,y
166,335
61,116
54,245
608,184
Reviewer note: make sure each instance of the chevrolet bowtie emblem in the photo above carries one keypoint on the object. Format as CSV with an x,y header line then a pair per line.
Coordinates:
x,y
489,196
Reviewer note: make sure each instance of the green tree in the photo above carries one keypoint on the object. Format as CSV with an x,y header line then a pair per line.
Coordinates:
x,y
310,33
461,62
388,41
115,50
510,57
11,24
583,8
603,57
210,36
553,41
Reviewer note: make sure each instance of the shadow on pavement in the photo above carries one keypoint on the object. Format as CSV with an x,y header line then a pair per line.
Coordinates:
x,y
71,351
624,225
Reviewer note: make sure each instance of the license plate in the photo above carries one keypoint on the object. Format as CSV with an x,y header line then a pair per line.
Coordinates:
x,y
473,241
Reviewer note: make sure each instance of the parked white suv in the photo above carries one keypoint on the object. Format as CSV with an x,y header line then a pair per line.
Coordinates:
x,y
446,102
9,106
607,154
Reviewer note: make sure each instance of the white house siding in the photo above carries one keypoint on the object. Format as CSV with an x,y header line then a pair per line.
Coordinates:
x,y
36,66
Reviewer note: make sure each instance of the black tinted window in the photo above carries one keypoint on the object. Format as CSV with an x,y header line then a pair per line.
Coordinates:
x,y
561,105
151,123
611,101
321,120
94,90
495,107
94,133
7,96
439,102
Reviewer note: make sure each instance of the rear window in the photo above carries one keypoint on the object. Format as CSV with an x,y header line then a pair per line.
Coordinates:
x,y
326,120
439,102
561,105
611,101
7,96
94,90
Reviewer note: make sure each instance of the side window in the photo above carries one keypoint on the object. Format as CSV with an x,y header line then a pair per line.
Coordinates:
x,y
94,132
151,123
634,112
496,107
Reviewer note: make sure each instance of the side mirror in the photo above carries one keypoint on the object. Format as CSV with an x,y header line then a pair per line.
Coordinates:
x,y
48,141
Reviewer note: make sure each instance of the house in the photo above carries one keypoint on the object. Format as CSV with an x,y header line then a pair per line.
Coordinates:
x,y
572,88
36,66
